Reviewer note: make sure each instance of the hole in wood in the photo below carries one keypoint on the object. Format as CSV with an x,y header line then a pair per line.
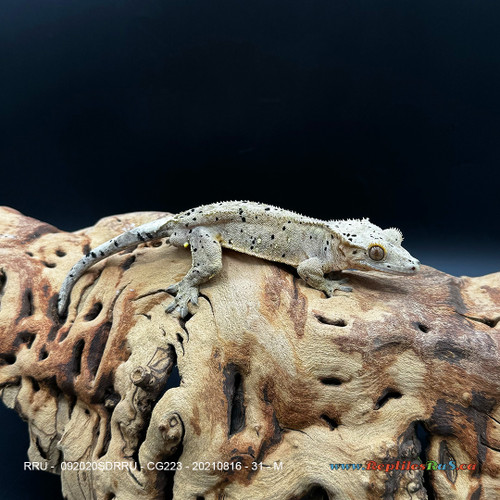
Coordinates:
x,y
93,312
332,423
128,263
77,357
387,394
233,390
331,381
25,337
34,384
7,359
26,304
330,321
38,445
43,354
3,281
316,492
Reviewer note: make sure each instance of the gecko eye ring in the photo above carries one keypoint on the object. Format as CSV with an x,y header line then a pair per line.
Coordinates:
x,y
376,252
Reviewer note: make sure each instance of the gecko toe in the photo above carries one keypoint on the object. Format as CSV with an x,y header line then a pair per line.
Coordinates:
x,y
183,311
173,289
171,307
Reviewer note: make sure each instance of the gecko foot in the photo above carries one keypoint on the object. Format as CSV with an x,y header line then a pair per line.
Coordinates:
x,y
184,294
331,285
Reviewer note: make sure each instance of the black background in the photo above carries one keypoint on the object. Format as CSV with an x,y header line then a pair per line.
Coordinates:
x,y
386,109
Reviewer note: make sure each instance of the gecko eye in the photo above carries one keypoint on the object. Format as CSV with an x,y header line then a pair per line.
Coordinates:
x,y
376,252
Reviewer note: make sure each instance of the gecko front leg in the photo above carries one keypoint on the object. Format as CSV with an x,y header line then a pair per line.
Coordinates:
x,y
206,255
311,271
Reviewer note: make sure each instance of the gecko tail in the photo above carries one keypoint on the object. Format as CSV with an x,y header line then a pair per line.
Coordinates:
x,y
150,231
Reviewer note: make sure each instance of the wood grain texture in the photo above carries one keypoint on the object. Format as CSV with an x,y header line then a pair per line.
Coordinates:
x,y
271,372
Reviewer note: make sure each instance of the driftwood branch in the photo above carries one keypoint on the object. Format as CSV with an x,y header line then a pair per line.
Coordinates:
x,y
261,391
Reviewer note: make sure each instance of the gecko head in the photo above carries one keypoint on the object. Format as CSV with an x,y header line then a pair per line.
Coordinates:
x,y
368,247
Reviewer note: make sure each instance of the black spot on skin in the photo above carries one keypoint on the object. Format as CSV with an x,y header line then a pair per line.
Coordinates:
x,y
115,243
140,236
93,254
272,236
251,248
217,218
243,219
282,255
267,209
283,228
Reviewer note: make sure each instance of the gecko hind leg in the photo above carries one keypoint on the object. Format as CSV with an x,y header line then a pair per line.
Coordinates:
x,y
311,271
206,254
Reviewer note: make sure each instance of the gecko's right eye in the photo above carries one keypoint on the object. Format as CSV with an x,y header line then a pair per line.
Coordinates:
x,y
376,252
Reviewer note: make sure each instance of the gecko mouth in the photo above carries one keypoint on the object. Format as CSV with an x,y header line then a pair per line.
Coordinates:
x,y
389,269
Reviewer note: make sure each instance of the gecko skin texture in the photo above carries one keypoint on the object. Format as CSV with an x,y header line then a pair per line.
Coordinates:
x,y
315,247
